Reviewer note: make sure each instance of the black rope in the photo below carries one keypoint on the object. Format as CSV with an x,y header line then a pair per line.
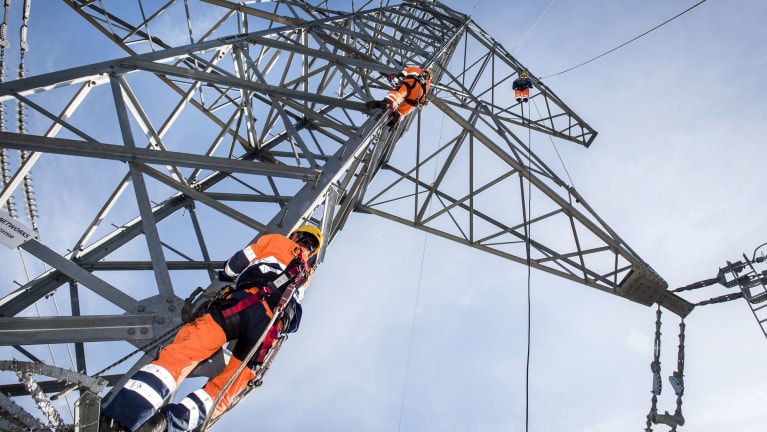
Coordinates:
x,y
530,30
632,40
529,277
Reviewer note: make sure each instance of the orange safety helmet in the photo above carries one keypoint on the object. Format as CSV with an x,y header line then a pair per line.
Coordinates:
x,y
312,235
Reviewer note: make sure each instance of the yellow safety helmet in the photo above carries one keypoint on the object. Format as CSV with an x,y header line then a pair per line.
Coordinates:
x,y
523,75
427,73
312,237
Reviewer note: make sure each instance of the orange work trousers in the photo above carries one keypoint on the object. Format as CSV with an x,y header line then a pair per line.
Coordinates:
x,y
399,98
194,343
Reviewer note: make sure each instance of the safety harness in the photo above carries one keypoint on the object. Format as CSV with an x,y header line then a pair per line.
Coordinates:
x,y
411,85
294,274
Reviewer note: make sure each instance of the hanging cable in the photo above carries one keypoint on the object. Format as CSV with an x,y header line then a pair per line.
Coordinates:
x,y
529,277
418,290
530,30
412,333
29,193
554,145
626,43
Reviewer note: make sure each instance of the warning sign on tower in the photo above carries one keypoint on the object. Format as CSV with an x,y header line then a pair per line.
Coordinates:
x,y
12,232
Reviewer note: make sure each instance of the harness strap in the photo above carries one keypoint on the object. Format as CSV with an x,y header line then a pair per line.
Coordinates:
x,y
414,102
246,303
294,273
410,87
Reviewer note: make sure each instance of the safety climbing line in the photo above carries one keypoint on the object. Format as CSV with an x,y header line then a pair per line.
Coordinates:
x,y
529,277
420,280
147,346
554,145
236,374
255,382
277,312
186,314
676,380
535,23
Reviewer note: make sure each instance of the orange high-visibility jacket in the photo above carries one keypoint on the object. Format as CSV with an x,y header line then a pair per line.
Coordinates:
x,y
268,252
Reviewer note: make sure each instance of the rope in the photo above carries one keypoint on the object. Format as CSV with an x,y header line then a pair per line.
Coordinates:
x,y
39,314
626,43
277,312
418,290
144,348
554,145
529,282
530,30
29,196
412,333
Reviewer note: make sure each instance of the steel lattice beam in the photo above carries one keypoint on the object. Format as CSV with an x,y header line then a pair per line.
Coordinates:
x,y
260,125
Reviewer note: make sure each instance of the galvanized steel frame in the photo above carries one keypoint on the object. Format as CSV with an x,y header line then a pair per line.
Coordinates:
x,y
287,141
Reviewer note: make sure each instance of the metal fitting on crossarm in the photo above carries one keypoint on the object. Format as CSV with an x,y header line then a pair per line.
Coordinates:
x,y
675,419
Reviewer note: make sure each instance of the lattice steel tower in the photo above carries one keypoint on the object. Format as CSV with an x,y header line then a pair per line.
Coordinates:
x,y
254,123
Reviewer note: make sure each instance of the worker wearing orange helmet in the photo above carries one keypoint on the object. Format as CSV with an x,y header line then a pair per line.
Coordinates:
x,y
522,86
413,83
262,271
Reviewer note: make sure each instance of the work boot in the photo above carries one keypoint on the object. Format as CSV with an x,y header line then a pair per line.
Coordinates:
x,y
519,99
371,105
394,120
157,423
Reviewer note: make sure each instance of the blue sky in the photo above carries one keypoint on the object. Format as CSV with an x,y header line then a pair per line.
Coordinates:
x,y
420,334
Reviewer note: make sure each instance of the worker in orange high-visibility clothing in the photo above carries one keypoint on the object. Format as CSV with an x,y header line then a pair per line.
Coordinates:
x,y
413,84
243,316
521,87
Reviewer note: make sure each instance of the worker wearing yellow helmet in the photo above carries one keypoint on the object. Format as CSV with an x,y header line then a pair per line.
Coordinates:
x,y
412,86
262,273
309,237
522,86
